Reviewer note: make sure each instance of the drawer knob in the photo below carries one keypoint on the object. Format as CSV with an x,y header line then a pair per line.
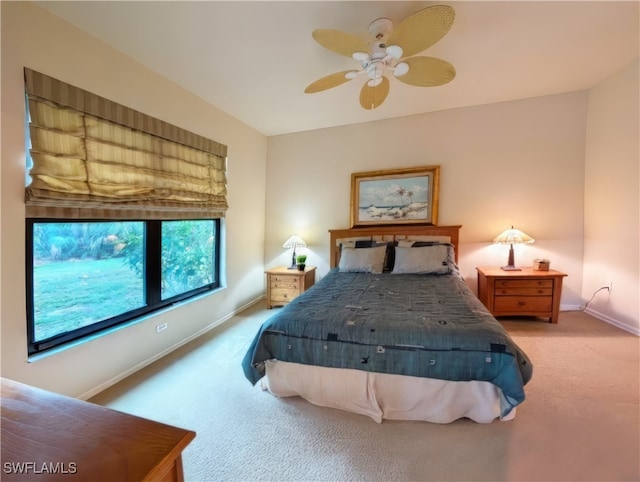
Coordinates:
x,y
522,303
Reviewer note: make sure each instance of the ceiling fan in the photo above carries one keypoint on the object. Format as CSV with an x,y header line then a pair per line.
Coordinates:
x,y
393,49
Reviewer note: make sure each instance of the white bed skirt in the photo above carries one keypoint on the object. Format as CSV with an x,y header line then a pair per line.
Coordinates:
x,y
384,396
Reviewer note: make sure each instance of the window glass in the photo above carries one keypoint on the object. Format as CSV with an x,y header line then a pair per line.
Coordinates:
x,y
84,277
84,273
187,256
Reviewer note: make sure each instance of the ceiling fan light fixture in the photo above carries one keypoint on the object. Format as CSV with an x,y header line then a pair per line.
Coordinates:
x,y
351,75
374,82
361,57
401,69
395,51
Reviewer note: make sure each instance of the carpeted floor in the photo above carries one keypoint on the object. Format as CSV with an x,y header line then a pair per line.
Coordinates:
x,y
580,420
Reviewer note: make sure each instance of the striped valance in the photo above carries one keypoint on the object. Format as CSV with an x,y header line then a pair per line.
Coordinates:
x,y
94,158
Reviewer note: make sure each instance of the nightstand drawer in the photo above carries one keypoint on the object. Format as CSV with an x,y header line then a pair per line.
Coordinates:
x,y
524,291
514,304
285,282
283,294
523,283
523,287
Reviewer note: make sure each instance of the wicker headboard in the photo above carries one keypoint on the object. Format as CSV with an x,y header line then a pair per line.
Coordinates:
x,y
390,233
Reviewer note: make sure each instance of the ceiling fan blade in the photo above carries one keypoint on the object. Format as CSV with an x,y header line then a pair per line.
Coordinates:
x,y
340,42
328,82
372,97
427,72
421,30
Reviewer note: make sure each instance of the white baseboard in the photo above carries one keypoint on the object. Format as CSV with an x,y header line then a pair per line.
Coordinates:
x,y
612,321
163,353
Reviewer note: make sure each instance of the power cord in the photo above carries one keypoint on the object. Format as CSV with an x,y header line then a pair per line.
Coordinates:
x,y
594,295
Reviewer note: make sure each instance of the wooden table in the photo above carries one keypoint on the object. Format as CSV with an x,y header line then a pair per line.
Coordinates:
x,y
284,284
50,437
525,292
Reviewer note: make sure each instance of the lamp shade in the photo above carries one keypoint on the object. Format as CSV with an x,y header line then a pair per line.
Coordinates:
x,y
294,242
513,236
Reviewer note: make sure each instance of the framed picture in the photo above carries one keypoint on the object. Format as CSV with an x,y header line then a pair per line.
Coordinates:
x,y
397,196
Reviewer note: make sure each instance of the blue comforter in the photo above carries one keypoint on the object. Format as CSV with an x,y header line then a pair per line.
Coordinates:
x,y
418,325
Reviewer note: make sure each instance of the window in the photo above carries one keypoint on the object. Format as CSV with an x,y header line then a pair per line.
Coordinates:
x,y
85,277
123,212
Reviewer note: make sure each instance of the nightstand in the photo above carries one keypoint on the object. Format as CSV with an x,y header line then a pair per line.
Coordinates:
x,y
525,292
284,284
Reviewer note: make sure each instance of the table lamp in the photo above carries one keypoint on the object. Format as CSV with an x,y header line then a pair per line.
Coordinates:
x,y
512,236
294,242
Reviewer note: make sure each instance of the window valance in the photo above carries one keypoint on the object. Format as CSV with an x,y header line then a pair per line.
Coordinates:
x,y
94,158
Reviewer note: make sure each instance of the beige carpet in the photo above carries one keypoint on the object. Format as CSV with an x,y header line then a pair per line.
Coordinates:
x,y
580,420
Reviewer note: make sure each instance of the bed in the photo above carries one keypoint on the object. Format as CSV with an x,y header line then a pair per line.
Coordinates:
x,y
392,332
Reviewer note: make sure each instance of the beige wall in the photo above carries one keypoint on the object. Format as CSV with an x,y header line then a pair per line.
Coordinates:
x,y
612,203
519,163
34,38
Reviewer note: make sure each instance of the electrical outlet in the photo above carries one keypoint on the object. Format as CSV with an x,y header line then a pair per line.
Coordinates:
x,y
161,327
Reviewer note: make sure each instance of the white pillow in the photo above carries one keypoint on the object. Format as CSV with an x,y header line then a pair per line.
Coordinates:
x,y
422,260
406,243
362,260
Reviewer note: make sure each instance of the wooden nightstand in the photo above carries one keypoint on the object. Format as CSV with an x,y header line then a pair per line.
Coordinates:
x,y
526,292
284,284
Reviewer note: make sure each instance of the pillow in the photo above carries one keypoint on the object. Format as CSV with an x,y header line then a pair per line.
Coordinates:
x,y
360,243
362,260
405,243
357,243
390,257
423,260
370,243
424,240
418,244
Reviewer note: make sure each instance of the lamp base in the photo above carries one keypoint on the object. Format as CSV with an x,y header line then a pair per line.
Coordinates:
x,y
293,260
510,268
510,262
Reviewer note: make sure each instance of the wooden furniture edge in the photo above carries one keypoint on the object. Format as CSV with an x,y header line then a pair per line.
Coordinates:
x,y
31,417
392,232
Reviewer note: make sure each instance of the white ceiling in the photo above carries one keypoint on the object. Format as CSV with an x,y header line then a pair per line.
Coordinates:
x,y
253,60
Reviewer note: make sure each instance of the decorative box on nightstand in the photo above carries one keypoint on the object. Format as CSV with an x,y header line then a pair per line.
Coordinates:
x,y
526,292
284,284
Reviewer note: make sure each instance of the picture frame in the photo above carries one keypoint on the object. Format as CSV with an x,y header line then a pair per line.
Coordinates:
x,y
395,196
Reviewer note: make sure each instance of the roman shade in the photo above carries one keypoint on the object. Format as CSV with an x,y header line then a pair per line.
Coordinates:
x,y
95,159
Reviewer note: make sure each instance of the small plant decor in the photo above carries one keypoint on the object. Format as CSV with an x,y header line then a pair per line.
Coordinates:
x,y
301,260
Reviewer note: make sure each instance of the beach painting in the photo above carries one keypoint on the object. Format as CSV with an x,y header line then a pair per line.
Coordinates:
x,y
399,196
